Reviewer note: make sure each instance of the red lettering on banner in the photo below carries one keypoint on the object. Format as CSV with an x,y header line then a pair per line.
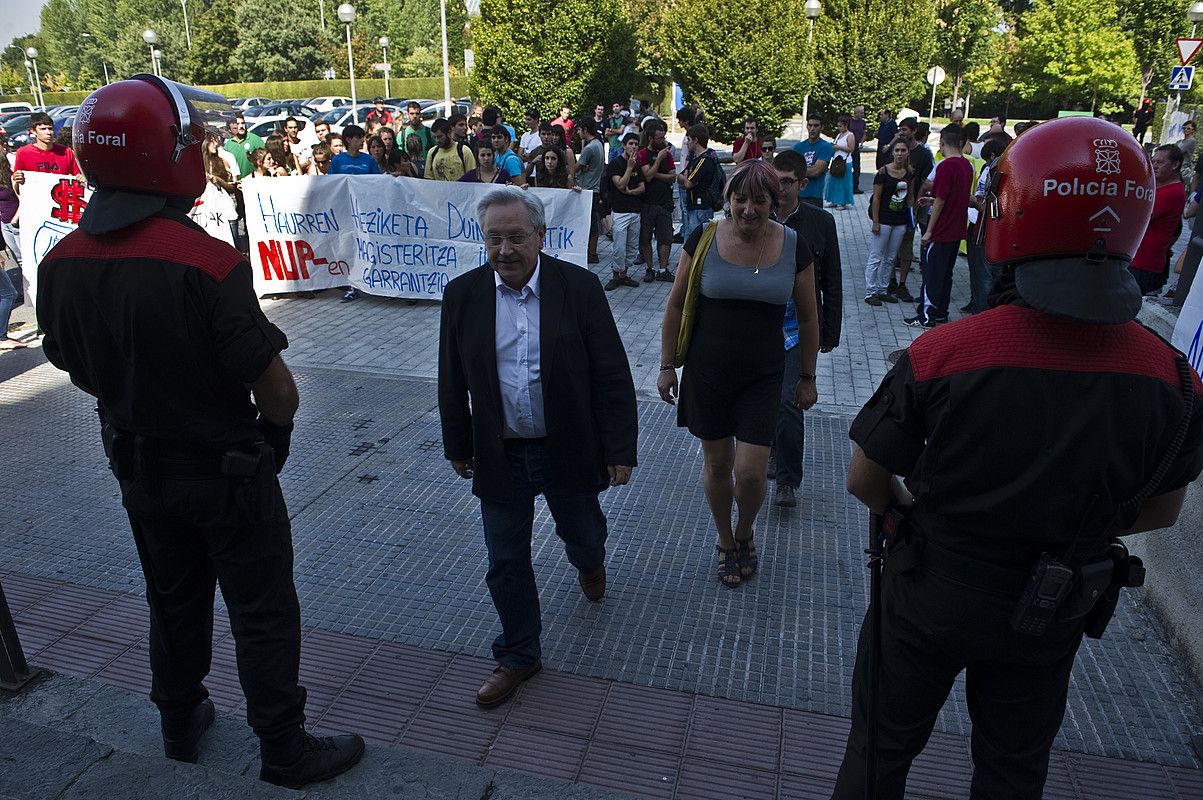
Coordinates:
x,y
291,268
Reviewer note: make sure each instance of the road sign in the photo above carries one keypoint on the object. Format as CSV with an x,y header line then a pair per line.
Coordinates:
x,y
935,76
1181,78
1187,49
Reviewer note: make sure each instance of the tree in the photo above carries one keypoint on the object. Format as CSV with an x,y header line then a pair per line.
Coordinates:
x,y
963,37
548,53
997,75
731,73
1073,50
417,31
873,53
278,43
1153,26
215,36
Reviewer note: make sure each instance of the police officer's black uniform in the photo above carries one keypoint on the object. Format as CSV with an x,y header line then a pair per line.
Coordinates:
x,y
1008,423
1020,432
159,321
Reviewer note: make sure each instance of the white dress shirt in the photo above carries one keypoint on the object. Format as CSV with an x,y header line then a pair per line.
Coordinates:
x,y
518,357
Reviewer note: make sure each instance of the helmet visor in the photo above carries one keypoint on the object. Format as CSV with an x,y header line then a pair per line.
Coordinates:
x,y
195,109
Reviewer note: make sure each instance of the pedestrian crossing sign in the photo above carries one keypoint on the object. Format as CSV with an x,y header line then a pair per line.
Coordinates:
x,y
1181,78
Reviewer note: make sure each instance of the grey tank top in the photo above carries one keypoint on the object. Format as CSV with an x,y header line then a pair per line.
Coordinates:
x,y
772,283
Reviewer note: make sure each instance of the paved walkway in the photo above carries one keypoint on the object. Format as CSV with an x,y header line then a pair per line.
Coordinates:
x,y
642,689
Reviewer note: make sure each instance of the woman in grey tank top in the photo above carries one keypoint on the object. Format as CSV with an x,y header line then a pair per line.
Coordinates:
x,y
731,382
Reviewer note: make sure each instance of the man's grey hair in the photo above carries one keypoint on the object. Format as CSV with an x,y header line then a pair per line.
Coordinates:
x,y
506,195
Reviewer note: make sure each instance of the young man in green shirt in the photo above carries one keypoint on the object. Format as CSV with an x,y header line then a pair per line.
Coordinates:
x,y
241,144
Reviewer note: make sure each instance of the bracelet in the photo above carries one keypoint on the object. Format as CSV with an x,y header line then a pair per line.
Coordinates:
x,y
667,367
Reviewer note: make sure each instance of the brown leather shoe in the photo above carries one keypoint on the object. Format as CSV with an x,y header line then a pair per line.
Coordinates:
x,y
594,586
501,685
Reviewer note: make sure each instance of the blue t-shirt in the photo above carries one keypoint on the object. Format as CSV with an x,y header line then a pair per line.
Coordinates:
x,y
510,163
346,164
819,151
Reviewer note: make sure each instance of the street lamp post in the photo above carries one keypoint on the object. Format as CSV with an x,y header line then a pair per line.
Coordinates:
x,y
384,47
151,38
446,71
187,32
32,52
813,9
28,72
157,55
321,10
346,15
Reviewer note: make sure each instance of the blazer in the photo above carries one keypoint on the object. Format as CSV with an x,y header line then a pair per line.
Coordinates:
x,y
588,393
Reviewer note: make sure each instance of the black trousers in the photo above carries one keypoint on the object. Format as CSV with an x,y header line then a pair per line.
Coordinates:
x,y
192,535
933,627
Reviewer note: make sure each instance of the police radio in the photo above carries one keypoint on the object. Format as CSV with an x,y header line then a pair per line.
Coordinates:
x,y
1046,589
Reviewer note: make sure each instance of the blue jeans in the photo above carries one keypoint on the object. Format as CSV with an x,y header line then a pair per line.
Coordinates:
x,y
789,439
981,279
580,523
936,291
694,218
8,294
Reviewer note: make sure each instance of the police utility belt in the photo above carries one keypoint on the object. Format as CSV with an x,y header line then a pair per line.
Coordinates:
x,y
1053,590
149,461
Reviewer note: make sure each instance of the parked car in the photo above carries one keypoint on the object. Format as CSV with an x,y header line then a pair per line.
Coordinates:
x,y
434,109
266,126
281,110
17,129
243,103
340,118
16,108
58,112
327,103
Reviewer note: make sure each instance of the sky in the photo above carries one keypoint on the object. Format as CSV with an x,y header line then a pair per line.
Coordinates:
x,y
18,17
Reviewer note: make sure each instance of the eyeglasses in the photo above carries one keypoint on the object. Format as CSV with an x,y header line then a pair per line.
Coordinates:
x,y
515,239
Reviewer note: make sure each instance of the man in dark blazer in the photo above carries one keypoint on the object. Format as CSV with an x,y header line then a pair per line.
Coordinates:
x,y
536,397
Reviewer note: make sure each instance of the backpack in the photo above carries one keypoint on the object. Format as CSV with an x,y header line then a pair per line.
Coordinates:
x,y
712,193
459,151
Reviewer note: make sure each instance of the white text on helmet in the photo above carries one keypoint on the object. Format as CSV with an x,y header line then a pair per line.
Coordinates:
x,y
1080,188
112,140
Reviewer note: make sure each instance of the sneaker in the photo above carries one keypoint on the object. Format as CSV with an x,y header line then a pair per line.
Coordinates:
x,y
321,758
639,262
649,275
785,496
349,296
664,276
873,300
887,298
181,737
627,280
613,283
904,294
919,322
934,321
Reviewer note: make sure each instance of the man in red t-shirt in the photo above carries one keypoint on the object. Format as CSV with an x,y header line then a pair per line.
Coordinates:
x,y
565,122
1150,265
945,230
748,146
42,155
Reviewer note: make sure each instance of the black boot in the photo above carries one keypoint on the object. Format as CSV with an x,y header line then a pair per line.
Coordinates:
x,y
181,737
313,759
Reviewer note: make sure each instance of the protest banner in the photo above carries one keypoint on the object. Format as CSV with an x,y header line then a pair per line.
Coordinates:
x,y
1188,331
396,237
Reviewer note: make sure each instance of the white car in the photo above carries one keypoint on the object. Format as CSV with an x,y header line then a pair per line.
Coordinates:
x,y
11,108
320,104
265,126
243,103
339,118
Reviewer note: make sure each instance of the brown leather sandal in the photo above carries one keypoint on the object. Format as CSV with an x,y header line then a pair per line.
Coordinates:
x,y
728,566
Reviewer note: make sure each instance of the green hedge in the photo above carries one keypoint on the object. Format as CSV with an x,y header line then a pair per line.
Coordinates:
x,y
365,88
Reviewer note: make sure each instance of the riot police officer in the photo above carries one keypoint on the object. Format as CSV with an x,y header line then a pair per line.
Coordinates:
x,y
1028,436
160,323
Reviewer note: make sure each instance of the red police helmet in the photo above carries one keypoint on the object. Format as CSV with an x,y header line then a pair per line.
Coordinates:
x,y
1069,203
142,135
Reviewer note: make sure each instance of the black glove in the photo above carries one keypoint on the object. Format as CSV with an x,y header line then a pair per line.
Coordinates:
x,y
279,437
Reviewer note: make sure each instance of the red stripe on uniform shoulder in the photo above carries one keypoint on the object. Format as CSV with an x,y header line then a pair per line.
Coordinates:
x,y
155,238
1011,336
